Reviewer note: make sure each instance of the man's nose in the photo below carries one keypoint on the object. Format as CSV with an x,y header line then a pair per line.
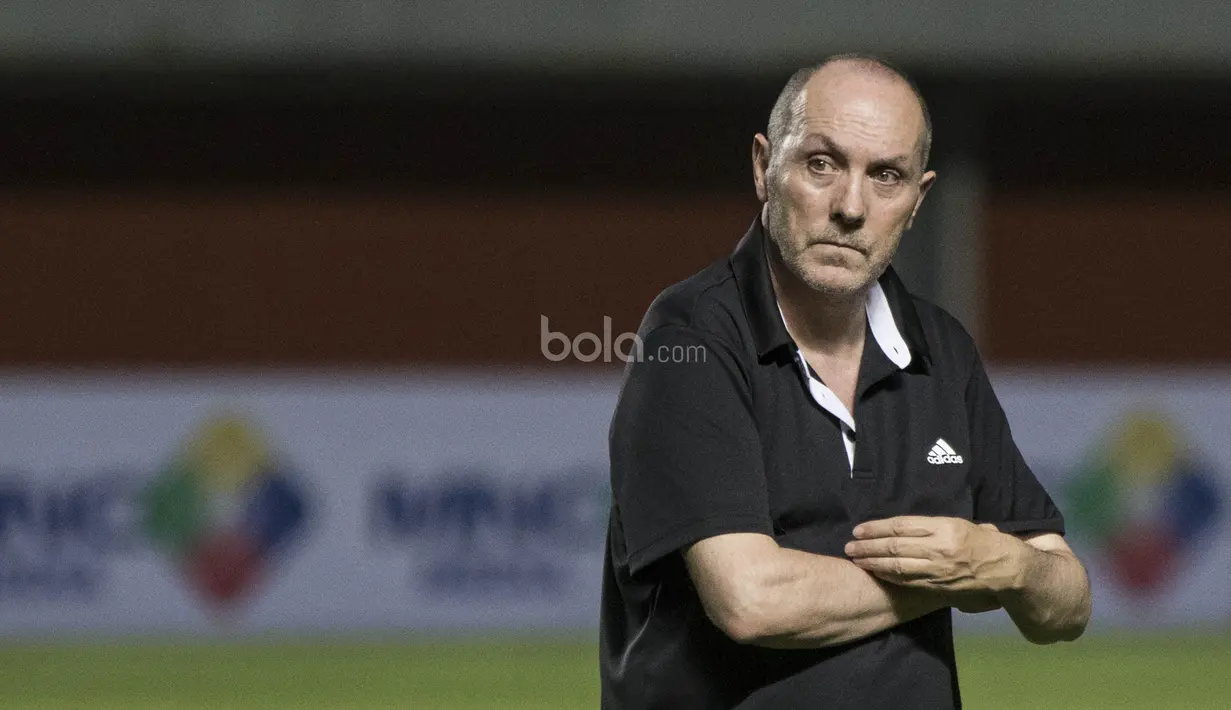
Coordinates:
x,y
849,207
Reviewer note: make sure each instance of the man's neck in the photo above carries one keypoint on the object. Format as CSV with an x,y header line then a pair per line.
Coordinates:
x,y
818,322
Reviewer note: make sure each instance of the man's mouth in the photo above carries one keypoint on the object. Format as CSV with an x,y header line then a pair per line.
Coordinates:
x,y
852,247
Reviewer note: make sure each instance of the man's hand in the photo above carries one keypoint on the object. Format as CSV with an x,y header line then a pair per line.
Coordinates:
x,y
944,554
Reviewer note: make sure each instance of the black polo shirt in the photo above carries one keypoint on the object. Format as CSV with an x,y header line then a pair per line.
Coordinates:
x,y
716,432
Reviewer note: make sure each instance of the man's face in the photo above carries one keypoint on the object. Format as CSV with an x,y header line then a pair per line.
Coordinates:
x,y
846,182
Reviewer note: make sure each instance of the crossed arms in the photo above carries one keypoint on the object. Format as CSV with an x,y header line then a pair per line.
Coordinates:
x,y
899,569
678,426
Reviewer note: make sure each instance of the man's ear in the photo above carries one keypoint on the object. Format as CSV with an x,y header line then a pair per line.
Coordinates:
x,y
760,165
925,184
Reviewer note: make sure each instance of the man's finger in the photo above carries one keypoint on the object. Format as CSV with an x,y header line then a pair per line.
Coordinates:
x,y
901,526
916,547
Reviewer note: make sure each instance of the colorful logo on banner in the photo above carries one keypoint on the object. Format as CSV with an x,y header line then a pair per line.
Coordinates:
x,y
224,509
1145,499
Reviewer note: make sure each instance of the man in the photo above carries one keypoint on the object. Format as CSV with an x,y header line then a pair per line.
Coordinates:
x,y
798,505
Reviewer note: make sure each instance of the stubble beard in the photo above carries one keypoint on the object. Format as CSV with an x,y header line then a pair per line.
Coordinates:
x,y
793,249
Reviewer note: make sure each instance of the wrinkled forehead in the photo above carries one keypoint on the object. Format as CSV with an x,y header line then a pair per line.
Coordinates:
x,y
861,109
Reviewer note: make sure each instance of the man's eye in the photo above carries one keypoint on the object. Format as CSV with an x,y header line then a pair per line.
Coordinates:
x,y
820,165
888,177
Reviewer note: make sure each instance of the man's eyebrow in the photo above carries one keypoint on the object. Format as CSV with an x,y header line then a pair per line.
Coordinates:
x,y
819,141
899,162
813,142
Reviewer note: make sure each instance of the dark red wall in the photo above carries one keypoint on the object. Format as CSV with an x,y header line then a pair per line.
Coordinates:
x,y
191,278
1126,276
196,278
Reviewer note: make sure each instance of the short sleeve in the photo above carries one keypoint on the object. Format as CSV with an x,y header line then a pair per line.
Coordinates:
x,y
1006,491
685,453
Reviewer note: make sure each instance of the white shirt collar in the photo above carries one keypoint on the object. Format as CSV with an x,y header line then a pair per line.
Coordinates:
x,y
885,329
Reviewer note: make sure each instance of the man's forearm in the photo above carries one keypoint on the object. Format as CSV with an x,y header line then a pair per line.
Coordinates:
x,y
1049,600
812,601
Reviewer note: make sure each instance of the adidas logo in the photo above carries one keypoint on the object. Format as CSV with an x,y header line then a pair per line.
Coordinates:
x,y
943,453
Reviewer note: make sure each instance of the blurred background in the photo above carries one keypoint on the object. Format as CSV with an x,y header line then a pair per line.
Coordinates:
x,y
280,423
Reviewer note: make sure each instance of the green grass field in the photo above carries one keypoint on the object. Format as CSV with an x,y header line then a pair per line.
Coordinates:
x,y
1183,672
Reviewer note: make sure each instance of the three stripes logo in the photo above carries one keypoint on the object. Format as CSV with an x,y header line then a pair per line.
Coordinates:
x,y
943,453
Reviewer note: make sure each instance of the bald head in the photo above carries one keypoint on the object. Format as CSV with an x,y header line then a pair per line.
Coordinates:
x,y
786,117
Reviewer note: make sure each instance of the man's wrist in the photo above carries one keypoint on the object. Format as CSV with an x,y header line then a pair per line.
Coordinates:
x,y
1010,571
913,602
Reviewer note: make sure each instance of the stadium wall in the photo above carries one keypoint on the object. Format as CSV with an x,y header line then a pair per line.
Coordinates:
x,y
293,279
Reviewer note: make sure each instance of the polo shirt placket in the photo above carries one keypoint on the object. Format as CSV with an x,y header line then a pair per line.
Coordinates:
x,y
885,333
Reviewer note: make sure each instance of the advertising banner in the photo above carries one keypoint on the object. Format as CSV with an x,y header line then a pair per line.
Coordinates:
x,y
249,504
237,504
